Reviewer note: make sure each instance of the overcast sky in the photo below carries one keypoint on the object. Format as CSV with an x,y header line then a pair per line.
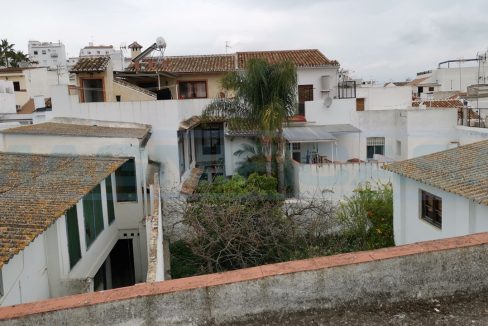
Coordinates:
x,y
376,39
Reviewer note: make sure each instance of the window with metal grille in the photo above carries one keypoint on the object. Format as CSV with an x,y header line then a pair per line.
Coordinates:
x,y
431,208
375,145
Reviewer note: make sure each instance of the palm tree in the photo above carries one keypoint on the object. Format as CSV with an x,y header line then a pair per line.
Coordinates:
x,y
19,57
265,96
6,51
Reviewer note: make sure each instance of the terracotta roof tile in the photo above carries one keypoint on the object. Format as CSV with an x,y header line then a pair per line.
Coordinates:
x,y
462,170
189,64
91,64
68,129
227,62
135,45
35,190
301,58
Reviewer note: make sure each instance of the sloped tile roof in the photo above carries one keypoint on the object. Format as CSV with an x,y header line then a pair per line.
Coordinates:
x,y
91,64
135,45
301,58
78,130
418,81
451,103
35,190
462,171
229,62
190,64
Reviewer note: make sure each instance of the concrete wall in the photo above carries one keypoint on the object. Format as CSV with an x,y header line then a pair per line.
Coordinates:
x,y
337,179
460,216
416,273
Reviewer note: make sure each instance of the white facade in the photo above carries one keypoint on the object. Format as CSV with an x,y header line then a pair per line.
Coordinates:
x,y
385,98
48,54
7,97
42,270
117,56
460,216
48,254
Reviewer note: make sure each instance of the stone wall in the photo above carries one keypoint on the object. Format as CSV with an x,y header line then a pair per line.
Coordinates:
x,y
405,273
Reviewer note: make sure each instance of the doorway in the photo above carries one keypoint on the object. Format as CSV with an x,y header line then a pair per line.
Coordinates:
x,y
122,264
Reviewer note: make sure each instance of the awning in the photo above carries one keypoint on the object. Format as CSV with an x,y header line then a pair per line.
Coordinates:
x,y
316,134
190,123
313,134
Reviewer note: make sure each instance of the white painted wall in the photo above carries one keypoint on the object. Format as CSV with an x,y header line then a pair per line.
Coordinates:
x,y
460,216
25,277
52,55
7,97
338,180
313,76
386,98
163,116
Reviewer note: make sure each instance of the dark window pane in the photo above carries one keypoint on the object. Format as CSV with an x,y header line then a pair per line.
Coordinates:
x,y
431,208
110,199
125,180
92,209
73,233
16,86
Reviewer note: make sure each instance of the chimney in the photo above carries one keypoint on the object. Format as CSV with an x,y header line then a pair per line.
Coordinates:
x,y
135,49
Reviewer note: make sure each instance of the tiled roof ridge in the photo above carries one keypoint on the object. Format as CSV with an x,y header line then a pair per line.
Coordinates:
x,y
472,148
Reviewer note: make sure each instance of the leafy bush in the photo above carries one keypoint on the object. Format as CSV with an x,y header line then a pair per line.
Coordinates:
x,y
367,216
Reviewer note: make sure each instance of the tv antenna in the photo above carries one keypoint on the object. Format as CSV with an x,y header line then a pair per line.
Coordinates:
x,y
227,46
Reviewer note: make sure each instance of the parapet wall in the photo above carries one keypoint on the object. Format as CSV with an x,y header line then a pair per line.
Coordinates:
x,y
406,273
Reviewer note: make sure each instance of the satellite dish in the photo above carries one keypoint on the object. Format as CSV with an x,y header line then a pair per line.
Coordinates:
x,y
328,101
161,43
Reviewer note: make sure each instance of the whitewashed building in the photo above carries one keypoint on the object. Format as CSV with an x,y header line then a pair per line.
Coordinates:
x,y
48,54
87,185
441,195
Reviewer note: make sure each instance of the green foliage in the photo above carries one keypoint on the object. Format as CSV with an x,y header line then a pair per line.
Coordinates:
x,y
183,262
9,57
367,216
237,223
255,184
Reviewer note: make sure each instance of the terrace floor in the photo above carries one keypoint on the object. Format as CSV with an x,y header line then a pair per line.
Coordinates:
x,y
458,310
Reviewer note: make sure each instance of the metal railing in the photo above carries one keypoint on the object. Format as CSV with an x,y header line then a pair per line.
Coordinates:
x,y
473,117
346,89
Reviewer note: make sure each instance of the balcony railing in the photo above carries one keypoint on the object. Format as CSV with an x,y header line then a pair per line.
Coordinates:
x,y
346,89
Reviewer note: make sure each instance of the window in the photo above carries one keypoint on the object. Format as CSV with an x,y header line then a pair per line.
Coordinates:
x,y
73,234
431,89
431,208
92,210
360,104
125,181
35,52
89,52
98,52
296,152
92,90
110,199
106,52
375,145
190,147
211,140
43,51
192,89
16,86
305,93
181,152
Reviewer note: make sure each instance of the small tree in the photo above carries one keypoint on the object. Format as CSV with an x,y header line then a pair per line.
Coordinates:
x,y
265,97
